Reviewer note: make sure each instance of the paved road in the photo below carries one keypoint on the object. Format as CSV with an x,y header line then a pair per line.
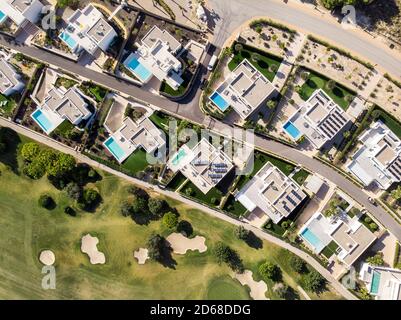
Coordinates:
x,y
193,113
234,13
82,158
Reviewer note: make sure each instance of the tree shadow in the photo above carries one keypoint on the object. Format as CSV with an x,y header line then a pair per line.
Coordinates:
x,y
263,64
291,294
10,156
185,228
167,259
337,92
254,241
312,84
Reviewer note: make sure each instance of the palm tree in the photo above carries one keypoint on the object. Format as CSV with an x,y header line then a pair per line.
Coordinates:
x,y
255,57
330,84
238,47
273,68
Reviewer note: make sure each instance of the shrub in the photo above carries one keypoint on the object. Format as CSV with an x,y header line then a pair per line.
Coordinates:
x,y
139,205
156,206
373,226
74,191
241,233
30,151
376,260
368,219
70,211
285,224
314,282
270,271
125,209
281,290
46,201
90,197
297,264
170,220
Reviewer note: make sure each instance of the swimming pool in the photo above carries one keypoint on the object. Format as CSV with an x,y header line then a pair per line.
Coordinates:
x,y
219,101
181,153
374,286
2,16
139,70
292,130
68,40
115,149
312,239
43,121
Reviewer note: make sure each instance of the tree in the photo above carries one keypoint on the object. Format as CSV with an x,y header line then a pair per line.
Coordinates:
x,y
238,47
396,193
224,254
126,208
170,220
30,151
376,260
273,68
74,191
347,134
45,201
62,165
90,198
34,170
314,281
139,205
297,264
373,226
68,3
189,192
271,104
281,290
255,57
330,85
156,206
270,271
241,233
156,245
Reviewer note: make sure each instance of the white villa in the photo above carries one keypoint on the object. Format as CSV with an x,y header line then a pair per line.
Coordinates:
x,y
61,104
320,120
204,164
378,159
156,56
245,89
10,80
20,11
351,236
133,135
88,30
383,283
272,192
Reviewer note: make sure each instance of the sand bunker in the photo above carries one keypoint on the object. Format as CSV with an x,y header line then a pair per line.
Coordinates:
x,y
47,257
182,244
141,255
258,289
89,246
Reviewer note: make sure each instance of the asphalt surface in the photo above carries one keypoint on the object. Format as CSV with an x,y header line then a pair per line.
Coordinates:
x,y
192,112
232,14
82,158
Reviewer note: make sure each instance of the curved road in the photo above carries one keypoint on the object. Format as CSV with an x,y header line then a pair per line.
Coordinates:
x,y
232,14
193,113
82,158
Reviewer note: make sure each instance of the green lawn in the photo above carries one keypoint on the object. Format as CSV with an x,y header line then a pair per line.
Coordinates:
x,y
98,92
234,207
213,194
264,63
136,162
8,109
316,81
161,120
330,249
178,180
300,176
186,76
64,129
393,124
226,288
26,230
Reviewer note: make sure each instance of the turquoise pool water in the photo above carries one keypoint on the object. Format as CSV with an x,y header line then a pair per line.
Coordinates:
x,y
139,70
312,239
42,121
292,130
68,39
374,286
219,101
115,149
2,16
181,153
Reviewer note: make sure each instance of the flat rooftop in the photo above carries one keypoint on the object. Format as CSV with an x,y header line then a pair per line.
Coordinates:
x,y
8,76
100,30
155,34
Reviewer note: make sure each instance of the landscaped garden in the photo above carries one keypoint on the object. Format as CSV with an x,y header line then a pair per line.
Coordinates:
x,y
266,63
212,198
7,106
234,207
314,81
27,228
330,249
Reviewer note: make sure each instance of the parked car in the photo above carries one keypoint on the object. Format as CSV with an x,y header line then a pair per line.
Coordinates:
x,y
372,201
212,62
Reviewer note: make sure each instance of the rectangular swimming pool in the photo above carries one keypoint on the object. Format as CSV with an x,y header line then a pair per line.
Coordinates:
x,y
139,70
68,40
374,286
181,153
43,121
218,100
292,130
115,149
313,240
2,16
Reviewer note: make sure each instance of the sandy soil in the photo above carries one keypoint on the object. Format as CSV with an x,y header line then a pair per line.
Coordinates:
x,y
258,289
89,246
182,244
47,257
141,255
